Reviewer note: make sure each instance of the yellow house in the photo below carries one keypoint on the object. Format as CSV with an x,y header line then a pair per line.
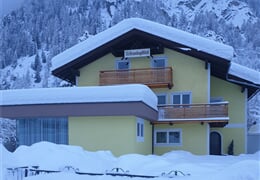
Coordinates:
x,y
157,88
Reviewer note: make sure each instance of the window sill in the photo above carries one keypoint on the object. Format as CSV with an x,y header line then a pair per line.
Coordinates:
x,y
167,144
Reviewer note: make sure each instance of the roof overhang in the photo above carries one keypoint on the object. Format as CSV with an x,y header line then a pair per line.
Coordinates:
x,y
245,77
219,65
137,33
138,109
80,101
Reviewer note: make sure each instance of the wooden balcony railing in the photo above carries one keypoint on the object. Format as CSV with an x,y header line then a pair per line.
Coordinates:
x,y
152,77
215,112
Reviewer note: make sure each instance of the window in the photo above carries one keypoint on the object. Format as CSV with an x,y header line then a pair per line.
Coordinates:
x,y
139,130
33,130
216,99
158,62
161,99
122,64
181,98
168,137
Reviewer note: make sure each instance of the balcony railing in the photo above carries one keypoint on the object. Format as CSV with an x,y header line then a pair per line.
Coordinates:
x,y
152,77
214,112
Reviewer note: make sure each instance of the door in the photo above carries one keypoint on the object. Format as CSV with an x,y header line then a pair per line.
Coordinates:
x,y
215,143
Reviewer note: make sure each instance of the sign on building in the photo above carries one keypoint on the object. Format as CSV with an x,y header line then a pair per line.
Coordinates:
x,y
136,53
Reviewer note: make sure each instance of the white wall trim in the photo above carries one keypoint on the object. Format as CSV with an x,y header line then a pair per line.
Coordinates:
x,y
245,93
208,139
209,72
77,80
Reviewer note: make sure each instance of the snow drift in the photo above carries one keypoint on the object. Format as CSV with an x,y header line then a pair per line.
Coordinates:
x,y
50,156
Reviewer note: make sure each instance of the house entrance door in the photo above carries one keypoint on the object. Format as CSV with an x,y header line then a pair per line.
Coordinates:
x,y
215,143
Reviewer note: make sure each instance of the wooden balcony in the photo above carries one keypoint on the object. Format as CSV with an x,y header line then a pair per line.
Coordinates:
x,y
216,113
152,77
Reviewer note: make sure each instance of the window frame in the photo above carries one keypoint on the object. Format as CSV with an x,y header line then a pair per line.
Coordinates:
x,y
117,61
153,59
181,94
165,96
216,99
168,131
140,129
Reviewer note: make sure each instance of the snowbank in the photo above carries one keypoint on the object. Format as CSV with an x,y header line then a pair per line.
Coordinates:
x,y
50,156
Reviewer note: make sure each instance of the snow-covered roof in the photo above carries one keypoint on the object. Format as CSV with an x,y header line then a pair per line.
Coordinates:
x,y
255,129
163,31
93,94
245,73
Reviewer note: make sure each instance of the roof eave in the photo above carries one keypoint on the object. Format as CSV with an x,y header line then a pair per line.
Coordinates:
x,y
220,65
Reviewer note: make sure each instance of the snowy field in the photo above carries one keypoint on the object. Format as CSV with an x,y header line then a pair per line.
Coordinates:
x,y
54,157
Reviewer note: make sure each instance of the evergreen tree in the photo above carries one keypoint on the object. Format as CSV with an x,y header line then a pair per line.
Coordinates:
x,y
37,77
43,57
231,148
37,67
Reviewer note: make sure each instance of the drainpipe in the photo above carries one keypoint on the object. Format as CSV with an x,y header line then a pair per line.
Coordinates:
x,y
152,138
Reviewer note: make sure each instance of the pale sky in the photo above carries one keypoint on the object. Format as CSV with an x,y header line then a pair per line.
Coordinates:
x,y
8,5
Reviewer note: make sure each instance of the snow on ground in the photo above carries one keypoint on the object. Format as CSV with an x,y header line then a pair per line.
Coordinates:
x,y
49,156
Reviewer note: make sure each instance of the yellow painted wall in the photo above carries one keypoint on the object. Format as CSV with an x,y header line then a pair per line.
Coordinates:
x,y
194,139
229,134
189,74
114,133
89,75
236,109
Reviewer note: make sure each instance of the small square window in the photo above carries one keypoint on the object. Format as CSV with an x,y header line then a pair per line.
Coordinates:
x,y
174,137
176,99
161,137
185,99
158,62
161,99
122,64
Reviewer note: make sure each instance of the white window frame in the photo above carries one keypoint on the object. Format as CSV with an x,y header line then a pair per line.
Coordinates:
x,y
153,59
120,61
167,131
140,129
181,96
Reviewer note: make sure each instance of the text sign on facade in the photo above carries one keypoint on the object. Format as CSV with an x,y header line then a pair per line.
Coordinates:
x,y
137,53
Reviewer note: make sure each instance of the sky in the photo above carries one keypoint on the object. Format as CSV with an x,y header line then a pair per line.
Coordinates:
x,y
7,6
